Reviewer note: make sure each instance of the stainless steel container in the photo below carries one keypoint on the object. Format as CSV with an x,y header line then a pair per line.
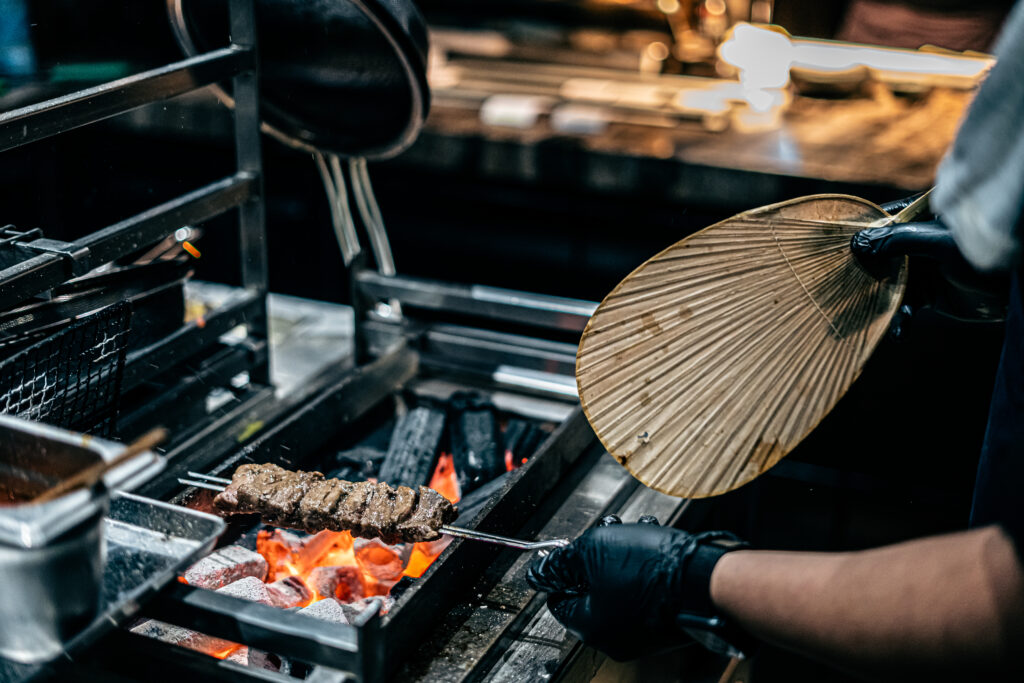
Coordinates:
x,y
51,553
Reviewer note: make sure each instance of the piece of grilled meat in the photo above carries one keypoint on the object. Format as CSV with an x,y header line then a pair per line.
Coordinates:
x,y
311,502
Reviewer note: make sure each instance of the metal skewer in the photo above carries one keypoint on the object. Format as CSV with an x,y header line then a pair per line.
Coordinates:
x,y
206,481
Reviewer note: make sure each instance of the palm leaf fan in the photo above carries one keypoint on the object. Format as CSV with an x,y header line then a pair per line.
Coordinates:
x,y
713,359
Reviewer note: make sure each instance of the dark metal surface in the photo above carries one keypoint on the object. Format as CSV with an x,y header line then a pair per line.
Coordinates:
x,y
61,114
143,364
347,77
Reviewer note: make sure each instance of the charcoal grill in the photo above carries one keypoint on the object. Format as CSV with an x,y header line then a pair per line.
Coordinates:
x,y
425,338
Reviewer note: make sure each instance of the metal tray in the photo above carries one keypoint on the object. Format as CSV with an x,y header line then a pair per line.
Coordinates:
x,y
147,543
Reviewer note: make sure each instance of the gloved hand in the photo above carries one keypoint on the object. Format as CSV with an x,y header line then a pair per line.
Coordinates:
x,y
877,247
962,292
630,589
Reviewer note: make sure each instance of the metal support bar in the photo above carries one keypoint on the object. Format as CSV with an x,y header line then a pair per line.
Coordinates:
x,y
490,302
38,121
39,273
249,157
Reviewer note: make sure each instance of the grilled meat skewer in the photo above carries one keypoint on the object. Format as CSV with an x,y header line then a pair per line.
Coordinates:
x,y
311,502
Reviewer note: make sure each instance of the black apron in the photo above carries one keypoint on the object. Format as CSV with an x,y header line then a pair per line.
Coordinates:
x,y
999,488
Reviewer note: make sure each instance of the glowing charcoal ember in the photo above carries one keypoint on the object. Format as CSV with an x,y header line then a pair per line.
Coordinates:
x,y
445,480
258,659
281,549
183,637
328,609
344,583
290,591
319,546
249,588
225,566
383,563
424,554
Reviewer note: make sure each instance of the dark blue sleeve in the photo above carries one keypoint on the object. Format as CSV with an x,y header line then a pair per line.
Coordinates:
x,y
999,489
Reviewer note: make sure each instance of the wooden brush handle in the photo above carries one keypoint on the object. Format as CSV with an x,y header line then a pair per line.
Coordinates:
x,y
90,475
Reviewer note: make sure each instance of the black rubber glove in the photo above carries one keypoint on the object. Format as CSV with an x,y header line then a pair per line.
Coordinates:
x,y
876,247
631,589
966,294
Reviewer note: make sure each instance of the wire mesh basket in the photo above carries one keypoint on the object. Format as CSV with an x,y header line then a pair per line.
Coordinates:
x,y
71,379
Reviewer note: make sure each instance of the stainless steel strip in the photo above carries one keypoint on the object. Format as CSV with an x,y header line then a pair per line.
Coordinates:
x,y
44,119
499,304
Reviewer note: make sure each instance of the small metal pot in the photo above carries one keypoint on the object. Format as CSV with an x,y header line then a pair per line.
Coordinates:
x,y
51,592
51,554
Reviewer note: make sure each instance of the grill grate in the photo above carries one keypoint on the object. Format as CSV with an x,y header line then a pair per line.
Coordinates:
x,y
71,379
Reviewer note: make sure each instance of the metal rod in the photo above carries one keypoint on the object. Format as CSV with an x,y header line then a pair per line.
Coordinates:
x,y
200,484
213,483
44,119
474,535
209,477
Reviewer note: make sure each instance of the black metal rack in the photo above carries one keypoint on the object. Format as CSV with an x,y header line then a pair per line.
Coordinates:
x,y
34,264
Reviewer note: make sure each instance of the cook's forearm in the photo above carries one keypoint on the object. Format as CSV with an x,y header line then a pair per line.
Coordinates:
x,y
940,603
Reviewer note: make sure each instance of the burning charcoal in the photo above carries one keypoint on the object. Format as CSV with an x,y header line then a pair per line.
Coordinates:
x,y
258,659
225,566
280,548
473,431
290,591
384,563
414,448
357,464
327,609
317,547
470,505
176,635
249,588
355,609
344,583
521,439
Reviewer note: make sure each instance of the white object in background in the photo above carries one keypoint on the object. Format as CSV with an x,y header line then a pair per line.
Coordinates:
x,y
579,119
513,111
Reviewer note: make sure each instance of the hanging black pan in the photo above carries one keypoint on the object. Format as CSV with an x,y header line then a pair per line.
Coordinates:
x,y
347,77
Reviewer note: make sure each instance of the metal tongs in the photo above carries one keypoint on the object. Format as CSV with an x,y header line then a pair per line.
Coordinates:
x,y
212,483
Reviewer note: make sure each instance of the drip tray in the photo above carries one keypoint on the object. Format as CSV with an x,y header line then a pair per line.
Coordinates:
x,y
146,544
